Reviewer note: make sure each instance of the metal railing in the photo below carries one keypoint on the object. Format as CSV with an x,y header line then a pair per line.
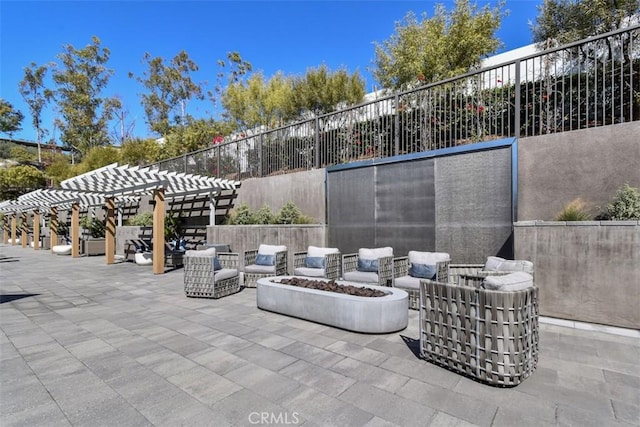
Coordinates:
x,y
590,83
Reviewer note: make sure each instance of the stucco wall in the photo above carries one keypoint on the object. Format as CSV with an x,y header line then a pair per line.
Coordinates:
x,y
590,163
586,271
305,189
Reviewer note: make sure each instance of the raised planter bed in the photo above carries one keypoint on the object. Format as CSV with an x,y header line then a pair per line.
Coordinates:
x,y
375,315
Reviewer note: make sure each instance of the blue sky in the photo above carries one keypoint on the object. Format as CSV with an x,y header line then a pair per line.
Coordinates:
x,y
288,36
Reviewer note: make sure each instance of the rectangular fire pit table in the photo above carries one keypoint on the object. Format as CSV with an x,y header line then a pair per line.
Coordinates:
x,y
374,315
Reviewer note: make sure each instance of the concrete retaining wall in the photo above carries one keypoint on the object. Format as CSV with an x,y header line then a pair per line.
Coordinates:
x,y
591,164
306,189
586,271
247,237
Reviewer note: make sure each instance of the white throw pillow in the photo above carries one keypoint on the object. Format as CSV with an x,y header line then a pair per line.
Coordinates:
x,y
515,281
271,249
428,258
315,251
493,263
365,253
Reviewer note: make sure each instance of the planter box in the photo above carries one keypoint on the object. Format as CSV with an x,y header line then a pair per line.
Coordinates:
x,y
586,271
93,247
375,315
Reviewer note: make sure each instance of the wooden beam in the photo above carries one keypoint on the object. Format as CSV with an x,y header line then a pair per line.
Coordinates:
x,y
23,230
158,231
110,232
14,232
75,230
5,229
36,230
53,228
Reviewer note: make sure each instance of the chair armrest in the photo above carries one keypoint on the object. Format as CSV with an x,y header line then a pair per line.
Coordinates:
x,y
442,271
332,266
400,266
250,257
455,270
228,259
281,263
385,270
349,262
298,259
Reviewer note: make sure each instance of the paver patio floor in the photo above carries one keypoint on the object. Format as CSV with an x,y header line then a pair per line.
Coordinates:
x,y
84,343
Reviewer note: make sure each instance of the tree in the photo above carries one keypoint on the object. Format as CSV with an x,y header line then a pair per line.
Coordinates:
x,y
196,135
10,118
237,70
447,45
566,21
139,152
18,180
170,87
36,96
321,91
97,157
256,102
59,169
84,115
123,128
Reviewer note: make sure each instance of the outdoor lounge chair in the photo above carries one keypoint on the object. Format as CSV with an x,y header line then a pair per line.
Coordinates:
x,y
208,274
266,261
493,266
372,266
317,262
487,334
409,270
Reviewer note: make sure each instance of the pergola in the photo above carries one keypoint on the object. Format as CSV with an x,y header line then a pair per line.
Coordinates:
x,y
120,181
106,186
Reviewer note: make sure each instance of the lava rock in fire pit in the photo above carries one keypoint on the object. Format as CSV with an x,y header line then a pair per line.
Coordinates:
x,y
332,286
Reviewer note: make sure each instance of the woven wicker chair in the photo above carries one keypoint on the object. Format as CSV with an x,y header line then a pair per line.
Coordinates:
x,y
382,277
253,272
403,278
494,266
488,335
202,281
330,267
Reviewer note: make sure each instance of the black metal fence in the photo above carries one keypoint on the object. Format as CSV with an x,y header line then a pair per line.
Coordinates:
x,y
590,83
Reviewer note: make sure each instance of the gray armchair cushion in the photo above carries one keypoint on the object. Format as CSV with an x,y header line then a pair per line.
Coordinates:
x,y
515,281
361,276
224,273
260,269
309,272
407,282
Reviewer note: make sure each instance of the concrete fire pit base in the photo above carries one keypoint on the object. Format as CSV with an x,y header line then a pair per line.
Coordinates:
x,y
374,315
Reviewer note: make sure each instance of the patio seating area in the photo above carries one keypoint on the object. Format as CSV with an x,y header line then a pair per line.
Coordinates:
x,y
120,345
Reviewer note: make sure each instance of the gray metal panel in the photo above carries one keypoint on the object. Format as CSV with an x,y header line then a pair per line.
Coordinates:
x,y
351,209
405,199
473,205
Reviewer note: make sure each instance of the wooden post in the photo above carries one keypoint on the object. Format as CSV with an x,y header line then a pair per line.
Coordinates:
x,y
36,230
110,232
158,231
75,230
14,232
23,230
5,229
53,228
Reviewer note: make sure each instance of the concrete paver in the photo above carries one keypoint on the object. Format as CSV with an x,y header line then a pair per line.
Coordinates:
x,y
84,343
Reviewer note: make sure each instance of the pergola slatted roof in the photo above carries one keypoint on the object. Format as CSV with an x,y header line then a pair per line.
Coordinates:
x,y
48,198
114,180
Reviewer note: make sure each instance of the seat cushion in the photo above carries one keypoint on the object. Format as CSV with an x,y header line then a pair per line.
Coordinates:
x,y
224,273
62,249
260,269
361,277
407,282
515,281
309,272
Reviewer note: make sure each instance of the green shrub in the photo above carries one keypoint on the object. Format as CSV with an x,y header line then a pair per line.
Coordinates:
x,y
242,215
625,204
142,219
96,227
264,216
574,211
289,213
